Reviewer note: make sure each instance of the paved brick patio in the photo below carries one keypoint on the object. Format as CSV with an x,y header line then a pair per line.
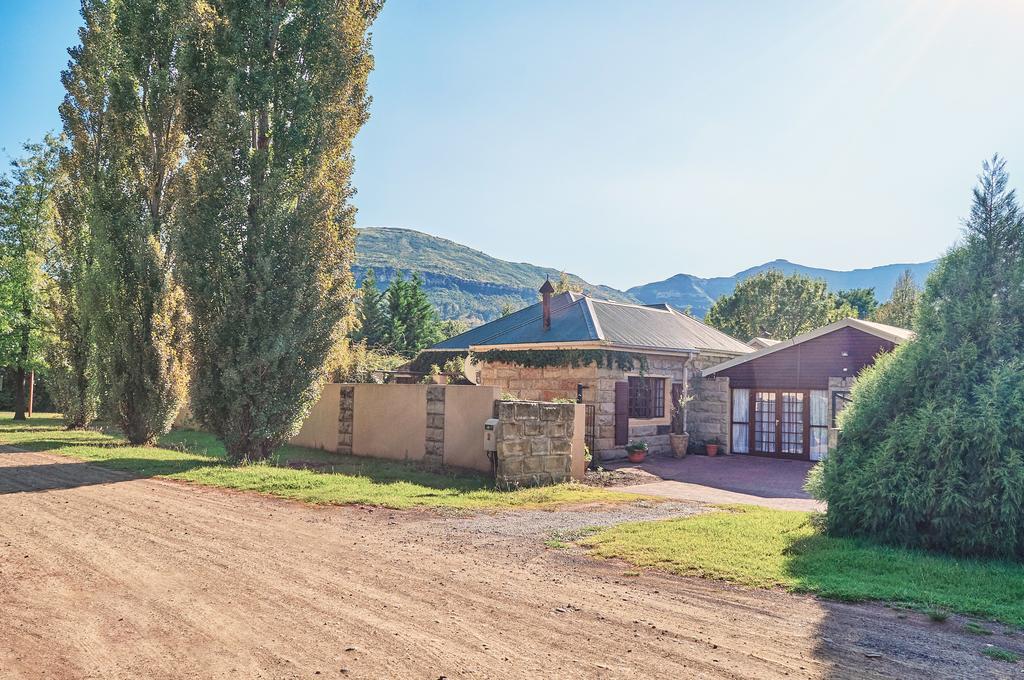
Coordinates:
x,y
728,479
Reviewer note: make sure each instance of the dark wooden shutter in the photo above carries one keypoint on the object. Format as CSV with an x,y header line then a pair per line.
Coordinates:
x,y
677,392
621,413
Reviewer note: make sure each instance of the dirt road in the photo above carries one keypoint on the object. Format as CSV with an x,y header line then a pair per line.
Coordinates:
x,y
106,577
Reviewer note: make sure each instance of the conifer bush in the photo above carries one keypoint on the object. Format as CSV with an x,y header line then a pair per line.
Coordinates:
x,y
932,448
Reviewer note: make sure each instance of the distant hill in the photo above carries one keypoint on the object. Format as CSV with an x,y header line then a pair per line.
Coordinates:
x,y
467,284
682,289
462,282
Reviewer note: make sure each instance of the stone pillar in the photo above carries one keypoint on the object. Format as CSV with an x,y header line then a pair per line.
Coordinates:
x,y
534,443
434,445
346,416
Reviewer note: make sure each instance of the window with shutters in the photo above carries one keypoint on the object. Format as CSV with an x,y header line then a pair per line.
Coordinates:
x,y
646,397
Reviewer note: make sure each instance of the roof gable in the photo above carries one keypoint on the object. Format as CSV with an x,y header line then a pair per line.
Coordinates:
x,y
883,331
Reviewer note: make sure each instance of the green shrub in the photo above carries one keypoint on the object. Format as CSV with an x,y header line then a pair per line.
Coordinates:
x,y
932,449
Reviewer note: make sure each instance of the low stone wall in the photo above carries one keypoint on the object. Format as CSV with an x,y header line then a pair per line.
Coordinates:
x,y
535,443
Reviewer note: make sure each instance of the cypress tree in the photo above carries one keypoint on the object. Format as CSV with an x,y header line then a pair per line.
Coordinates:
x,y
413,321
932,448
278,92
124,95
371,315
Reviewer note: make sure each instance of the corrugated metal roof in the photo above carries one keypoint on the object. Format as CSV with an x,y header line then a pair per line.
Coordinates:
x,y
578,319
660,327
570,322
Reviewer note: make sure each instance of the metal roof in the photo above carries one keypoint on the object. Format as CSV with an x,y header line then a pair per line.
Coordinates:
x,y
578,320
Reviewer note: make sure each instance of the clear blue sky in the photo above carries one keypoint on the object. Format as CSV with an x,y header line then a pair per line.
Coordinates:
x,y
627,142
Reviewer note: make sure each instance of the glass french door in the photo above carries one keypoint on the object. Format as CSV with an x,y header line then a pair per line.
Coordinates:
x,y
780,418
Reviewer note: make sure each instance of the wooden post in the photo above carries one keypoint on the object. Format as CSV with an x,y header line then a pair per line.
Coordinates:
x,y
31,391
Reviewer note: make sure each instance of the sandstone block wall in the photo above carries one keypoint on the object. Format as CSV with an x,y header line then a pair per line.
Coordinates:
x,y
708,413
535,443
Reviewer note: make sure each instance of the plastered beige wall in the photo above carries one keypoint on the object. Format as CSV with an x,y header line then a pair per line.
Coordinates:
x,y
390,421
466,408
578,467
320,429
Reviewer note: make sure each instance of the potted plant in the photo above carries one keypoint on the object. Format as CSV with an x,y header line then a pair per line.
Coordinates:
x,y
637,451
711,446
679,437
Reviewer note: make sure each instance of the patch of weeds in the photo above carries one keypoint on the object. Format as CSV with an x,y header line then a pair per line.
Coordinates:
x,y
631,572
975,628
937,615
556,544
1000,654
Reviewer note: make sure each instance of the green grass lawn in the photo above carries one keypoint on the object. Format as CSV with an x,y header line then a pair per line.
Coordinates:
x,y
766,548
198,457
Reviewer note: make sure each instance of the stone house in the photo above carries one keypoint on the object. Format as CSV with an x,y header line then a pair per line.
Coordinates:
x,y
628,363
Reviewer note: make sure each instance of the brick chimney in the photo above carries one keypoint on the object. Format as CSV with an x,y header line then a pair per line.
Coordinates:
x,y
546,290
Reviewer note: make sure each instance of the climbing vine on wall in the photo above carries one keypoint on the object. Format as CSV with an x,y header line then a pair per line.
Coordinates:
x,y
543,358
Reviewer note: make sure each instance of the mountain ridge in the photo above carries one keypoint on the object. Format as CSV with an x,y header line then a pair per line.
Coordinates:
x,y
470,284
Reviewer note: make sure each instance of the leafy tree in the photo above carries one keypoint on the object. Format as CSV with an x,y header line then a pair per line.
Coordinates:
x,y
902,305
932,450
128,73
277,94
413,320
449,328
70,352
358,363
26,220
371,314
773,305
566,285
861,300
506,309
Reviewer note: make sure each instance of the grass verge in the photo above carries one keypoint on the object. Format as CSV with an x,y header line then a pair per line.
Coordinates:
x,y
335,479
766,548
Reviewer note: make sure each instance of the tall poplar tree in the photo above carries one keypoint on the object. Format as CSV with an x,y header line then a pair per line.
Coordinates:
x,y
70,356
126,77
278,92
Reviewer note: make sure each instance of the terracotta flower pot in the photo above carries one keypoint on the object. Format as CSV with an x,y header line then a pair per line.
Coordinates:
x,y
680,443
636,455
711,449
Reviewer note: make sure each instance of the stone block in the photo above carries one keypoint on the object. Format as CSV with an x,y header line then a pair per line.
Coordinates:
x,y
526,411
507,411
513,447
558,466
435,420
533,464
511,466
560,445
540,446
556,429
531,428
549,413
